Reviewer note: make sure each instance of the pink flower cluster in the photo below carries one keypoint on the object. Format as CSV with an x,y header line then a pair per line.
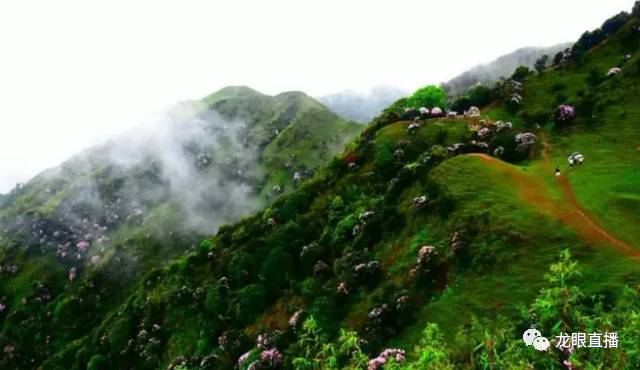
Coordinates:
x,y
83,246
395,353
264,341
272,357
565,112
436,112
243,358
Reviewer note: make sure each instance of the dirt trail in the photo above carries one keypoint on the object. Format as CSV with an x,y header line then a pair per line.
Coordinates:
x,y
535,192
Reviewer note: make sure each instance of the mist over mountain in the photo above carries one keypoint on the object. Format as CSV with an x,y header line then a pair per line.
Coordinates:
x,y
362,107
150,193
503,66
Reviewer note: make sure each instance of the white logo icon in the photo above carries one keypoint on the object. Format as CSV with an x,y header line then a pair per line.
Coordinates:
x,y
529,335
541,343
534,337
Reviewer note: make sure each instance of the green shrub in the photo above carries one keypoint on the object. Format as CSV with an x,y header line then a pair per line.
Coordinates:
x,y
97,362
429,97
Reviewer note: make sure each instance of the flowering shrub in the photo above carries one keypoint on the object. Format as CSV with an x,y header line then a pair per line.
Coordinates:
x,y
525,142
565,113
396,354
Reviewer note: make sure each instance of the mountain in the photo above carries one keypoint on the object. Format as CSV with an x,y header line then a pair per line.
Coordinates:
x,y
292,132
136,201
503,66
362,107
427,244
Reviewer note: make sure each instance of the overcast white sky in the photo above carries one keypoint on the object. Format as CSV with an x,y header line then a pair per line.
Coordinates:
x,y
75,72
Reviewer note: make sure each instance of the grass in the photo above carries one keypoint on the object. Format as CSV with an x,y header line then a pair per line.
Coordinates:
x,y
525,242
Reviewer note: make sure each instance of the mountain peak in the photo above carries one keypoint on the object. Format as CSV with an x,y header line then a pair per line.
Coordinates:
x,y
231,92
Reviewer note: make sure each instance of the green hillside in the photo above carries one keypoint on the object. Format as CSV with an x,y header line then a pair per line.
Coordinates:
x,y
429,243
119,209
294,132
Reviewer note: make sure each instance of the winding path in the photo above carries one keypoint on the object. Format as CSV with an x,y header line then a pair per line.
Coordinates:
x,y
534,191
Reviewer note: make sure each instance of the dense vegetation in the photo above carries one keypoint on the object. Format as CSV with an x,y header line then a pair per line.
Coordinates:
x,y
429,243
108,215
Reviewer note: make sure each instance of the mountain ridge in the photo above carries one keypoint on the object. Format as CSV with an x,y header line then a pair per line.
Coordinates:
x,y
501,67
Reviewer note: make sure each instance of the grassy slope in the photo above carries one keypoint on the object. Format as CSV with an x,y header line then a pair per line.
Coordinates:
x,y
607,185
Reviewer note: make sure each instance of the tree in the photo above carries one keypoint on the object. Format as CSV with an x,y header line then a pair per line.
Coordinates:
x,y
479,96
521,73
557,59
614,23
555,306
541,64
429,97
97,362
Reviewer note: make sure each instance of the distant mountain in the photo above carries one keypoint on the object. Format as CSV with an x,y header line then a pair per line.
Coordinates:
x,y
502,67
362,107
